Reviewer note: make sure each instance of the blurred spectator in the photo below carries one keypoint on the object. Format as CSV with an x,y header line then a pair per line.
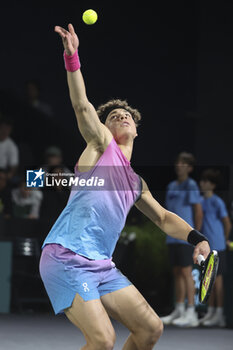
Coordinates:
x,y
54,157
26,201
5,196
54,198
183,198
33,98
216,227
9,153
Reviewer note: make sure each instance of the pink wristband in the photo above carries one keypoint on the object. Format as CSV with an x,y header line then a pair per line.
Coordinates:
x,y
72,62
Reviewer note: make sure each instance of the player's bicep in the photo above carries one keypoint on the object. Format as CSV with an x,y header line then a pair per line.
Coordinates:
x,y
89,123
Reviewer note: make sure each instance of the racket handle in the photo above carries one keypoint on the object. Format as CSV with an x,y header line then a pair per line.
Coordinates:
x,y
200,259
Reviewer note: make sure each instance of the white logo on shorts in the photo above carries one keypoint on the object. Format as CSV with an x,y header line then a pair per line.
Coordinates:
x,y
85,287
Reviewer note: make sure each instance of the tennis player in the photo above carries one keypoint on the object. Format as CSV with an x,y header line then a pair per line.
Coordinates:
x,y
76,264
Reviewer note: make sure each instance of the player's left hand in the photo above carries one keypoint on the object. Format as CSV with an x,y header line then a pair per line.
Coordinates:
x,y
69,38
202,248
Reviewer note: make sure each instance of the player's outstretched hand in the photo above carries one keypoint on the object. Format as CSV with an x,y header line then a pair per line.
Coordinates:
x,y
202,248
69,38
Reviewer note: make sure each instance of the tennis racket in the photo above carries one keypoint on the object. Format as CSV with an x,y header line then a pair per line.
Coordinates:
x,y
209,268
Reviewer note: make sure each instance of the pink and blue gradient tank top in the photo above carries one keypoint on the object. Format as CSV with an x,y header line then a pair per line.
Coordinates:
x,y
94,216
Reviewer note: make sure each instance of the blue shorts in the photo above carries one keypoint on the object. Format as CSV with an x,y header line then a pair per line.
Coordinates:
x,y
65,273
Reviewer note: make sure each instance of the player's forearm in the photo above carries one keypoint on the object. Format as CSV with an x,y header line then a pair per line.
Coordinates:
x,y
88,121
75,81
167,221
174,226
77,89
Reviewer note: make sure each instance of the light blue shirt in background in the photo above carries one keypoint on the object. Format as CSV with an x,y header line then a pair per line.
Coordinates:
x,y
180,198
214,210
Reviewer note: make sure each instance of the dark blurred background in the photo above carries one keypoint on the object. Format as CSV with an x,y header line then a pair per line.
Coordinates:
x,y
170,60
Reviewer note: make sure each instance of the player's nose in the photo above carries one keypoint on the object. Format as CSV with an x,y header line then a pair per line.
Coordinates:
x,y
123,116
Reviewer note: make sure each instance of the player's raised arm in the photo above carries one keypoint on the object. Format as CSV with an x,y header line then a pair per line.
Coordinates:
x,y
171,223
88,121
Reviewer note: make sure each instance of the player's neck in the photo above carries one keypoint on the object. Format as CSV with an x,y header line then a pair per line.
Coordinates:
x,y
127,151
126,145
208,194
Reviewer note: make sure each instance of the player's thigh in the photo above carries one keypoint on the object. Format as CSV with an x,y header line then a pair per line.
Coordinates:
x,y
91,318
129,307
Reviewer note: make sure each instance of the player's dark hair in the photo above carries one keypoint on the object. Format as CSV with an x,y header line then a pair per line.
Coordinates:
x,y
211,175
104,110
187,158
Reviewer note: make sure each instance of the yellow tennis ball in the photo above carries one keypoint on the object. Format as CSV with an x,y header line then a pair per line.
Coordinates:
x,y
90,17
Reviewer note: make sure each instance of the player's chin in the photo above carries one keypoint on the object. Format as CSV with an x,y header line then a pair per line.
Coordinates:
x,y
127,128
129,133
120,132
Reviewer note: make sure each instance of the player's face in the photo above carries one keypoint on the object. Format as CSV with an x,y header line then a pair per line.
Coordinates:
x,y
119,122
